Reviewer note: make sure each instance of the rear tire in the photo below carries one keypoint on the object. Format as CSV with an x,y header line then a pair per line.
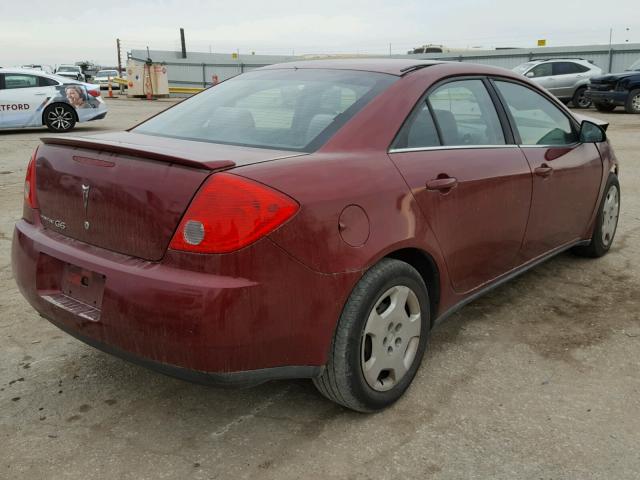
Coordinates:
x,y
380,339
59,117
580,100
606,221
632,105
604,107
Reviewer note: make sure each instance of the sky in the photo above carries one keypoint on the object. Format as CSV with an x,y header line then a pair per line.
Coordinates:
x,y
54,32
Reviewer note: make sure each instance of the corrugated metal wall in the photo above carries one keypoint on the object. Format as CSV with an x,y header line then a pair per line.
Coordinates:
x,y
198,68
614,60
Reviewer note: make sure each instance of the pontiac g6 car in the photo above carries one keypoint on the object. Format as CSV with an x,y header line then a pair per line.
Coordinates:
x,y
311,219
30,98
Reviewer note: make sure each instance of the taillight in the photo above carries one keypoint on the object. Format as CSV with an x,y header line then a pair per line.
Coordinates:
x,y
230,212
94,93
30,182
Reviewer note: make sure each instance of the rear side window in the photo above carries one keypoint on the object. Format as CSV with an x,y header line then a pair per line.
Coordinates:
x,y
47,82
538,121
419,131
465,114
567,68
15,80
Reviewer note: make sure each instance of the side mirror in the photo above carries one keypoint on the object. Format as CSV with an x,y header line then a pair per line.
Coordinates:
x,y
591,133
529,75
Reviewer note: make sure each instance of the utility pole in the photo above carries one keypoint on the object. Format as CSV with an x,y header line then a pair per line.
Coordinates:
x,y
389,49
119,59
610,50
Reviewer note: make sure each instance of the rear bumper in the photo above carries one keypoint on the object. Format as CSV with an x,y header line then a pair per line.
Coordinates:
x,y
610,97
178,317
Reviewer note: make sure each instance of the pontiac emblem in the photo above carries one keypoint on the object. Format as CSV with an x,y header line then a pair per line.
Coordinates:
x,y
85,202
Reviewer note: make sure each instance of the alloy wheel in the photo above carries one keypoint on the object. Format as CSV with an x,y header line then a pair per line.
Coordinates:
x,y
582,100
391,338
60,118
635,103
610,211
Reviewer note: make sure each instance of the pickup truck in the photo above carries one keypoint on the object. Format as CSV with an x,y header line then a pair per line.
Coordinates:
x,y
617,89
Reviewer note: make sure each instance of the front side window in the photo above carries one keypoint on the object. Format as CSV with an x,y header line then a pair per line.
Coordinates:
x,y
542,70
538,121
289,109
465,114
14,80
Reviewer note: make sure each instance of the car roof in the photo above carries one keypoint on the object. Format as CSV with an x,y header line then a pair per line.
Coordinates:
x,y
39,73
392,66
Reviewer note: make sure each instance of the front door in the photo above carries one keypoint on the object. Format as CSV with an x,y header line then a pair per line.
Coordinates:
x,y
473,188
567,174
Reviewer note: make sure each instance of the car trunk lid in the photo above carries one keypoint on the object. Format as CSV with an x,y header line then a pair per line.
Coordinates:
x,y
127,192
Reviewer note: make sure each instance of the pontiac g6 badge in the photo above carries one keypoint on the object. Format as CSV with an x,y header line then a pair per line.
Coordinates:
x,y
85,202
53,222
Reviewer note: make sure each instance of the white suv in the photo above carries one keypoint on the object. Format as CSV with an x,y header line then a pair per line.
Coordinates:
x,y
566,78
29,98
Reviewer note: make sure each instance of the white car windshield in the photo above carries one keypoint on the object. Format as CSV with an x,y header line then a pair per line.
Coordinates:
x,y
107,73
69,69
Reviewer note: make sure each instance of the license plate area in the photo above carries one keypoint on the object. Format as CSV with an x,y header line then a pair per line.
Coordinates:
x,y
83,285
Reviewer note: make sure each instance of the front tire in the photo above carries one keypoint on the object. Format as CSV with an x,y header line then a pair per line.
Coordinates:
x,y
380,339
632,105
604,107
580,100
59,118
606,221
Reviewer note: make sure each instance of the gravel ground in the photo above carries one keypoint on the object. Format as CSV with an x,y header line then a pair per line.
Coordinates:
x,y
540,379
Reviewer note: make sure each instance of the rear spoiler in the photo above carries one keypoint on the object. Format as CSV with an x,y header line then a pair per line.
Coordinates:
x,y
142,151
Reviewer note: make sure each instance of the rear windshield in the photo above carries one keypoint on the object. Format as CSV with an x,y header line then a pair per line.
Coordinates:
x,y
68,69
289,109
106,73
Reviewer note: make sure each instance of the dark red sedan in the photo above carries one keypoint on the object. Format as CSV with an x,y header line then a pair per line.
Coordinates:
x,y
310,220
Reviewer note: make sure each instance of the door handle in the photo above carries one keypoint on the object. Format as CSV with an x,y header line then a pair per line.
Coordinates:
x,y
442,184
543,170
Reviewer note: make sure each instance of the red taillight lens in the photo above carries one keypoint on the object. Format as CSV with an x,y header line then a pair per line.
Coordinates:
x,y
94,93
30,182
230,212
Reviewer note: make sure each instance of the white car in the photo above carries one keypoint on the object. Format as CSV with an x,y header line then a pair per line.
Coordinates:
x,y
103,76
74,72
29,98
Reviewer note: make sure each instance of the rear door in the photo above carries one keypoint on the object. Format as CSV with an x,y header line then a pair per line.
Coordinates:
x,y
566,75
567,174
23,98
471,182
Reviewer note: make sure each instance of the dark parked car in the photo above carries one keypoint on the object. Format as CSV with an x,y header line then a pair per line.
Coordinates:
x,y
312,219
618,89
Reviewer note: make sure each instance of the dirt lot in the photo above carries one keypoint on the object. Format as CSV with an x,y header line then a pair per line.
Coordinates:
x,y
538,380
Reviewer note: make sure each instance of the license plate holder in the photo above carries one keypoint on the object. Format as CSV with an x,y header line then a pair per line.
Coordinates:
x,y
83,285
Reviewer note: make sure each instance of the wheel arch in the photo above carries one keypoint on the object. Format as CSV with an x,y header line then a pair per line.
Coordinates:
x,y
426,266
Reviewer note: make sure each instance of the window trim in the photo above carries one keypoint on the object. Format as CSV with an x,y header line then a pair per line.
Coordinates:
x,y
509,137
575,127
